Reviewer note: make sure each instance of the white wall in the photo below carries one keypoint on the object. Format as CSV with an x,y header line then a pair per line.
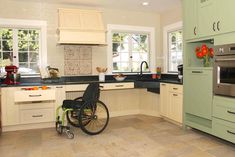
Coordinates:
x,y
43,10
167,18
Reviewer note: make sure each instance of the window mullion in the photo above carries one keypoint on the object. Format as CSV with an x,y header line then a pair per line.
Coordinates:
x,y
15,58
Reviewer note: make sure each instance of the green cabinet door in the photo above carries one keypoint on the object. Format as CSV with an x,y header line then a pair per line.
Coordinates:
x,y
198,92
226,18
190,19
207,18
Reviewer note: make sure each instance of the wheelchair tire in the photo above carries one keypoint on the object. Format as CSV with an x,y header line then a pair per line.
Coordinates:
x,y
96,118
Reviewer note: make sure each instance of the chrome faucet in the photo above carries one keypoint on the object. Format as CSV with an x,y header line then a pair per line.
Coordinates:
x,y
141,67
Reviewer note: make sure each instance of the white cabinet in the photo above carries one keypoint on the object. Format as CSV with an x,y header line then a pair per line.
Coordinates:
x,y
10,111
164,107
111,86
20,107
59,95
171,101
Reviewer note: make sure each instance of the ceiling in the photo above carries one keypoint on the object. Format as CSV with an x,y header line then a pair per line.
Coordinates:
x,y
134,5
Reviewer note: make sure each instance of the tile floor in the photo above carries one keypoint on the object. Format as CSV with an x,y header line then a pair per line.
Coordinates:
x,y
128,136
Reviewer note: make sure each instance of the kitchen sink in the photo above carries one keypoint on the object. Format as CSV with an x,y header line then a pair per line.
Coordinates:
x,y
147,83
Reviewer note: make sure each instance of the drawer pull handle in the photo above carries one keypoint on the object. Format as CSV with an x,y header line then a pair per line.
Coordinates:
x,y
197,72
119,86
163,84
175,94
35,95
231,112
230,132
175,88
37,116
59,87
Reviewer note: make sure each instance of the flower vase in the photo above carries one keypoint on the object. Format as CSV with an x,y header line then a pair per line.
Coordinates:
x,y
206,62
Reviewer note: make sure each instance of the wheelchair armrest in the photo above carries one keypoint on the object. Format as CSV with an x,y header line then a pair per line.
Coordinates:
x,y
78,98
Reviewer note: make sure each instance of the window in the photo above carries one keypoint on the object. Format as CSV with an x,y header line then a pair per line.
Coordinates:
x,y
175,50
23,43
129,50
128,46
173,47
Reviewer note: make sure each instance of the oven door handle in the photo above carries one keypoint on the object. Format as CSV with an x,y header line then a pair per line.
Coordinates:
x,y
225,59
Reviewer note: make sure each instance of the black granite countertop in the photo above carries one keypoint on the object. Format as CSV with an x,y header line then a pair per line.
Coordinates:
x,y
166,78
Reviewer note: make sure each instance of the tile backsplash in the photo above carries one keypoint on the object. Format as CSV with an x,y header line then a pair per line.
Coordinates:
x,y
77,60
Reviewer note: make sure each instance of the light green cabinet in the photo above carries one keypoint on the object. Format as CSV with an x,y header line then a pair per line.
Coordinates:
x,y
198,92
225,15
204,18
190,19
224,129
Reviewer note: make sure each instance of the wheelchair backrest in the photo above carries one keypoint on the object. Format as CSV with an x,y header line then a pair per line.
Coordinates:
x,y
92,93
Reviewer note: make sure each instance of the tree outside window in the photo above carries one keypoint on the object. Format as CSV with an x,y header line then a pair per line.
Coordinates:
x,y
175,50
22,44
129,50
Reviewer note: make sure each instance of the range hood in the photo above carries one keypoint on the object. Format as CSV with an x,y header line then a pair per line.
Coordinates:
x,y
83,27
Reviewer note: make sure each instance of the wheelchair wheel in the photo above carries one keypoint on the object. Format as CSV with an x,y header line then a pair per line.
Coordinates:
x,y
73,118
95,116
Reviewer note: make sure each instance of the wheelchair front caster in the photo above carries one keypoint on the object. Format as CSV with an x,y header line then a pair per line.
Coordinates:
x,y
69,134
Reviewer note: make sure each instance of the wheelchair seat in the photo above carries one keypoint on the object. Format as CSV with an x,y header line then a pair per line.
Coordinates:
x,y
72,104
91,94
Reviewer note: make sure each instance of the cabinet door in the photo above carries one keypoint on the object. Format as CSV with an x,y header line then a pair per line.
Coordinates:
x,y
164,105
198,92
190,19
226,19
175,106
10,111
207,17
60,95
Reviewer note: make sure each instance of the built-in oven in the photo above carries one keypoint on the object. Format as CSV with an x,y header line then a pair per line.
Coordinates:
x,y
224,70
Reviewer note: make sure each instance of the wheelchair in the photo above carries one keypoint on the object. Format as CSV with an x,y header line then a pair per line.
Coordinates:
x,y
86,112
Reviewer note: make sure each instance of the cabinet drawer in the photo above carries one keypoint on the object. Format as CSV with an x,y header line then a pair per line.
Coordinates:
x,y
37,95
73,88
36,116
224,108
107,86
176,88
223,129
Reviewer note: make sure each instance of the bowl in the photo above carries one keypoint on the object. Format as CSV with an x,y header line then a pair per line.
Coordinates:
x,y
120,78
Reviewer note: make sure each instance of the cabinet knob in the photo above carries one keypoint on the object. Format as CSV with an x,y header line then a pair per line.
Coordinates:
x,y
197,72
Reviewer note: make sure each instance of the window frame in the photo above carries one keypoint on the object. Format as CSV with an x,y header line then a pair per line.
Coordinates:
x,y
131,29
30,24
166,30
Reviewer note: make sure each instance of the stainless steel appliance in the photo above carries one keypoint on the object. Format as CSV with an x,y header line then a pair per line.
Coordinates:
x,y
224,70
180,72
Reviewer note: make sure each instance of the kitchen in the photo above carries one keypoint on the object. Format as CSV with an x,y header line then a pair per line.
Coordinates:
x,y
134,111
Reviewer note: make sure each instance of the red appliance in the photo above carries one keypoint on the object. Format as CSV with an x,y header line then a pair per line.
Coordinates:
x,y
11,75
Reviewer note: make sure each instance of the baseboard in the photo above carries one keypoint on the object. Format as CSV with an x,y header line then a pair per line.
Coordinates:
x,y
124,113
150,113
28,126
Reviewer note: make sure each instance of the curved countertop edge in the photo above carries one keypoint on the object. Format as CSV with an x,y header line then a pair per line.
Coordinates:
x,y
83,82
